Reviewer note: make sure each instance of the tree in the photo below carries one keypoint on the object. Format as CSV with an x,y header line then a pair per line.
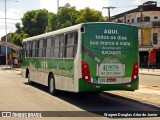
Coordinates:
x,y
52,22
19,28
90,15
19,35
66,16
35,22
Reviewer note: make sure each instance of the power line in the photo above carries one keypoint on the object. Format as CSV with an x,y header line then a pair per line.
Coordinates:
x,y
7,23
7,27
126,6
10,18
11,0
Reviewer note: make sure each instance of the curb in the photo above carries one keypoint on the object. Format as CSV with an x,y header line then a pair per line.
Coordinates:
x,y
149,74
11,69
7,68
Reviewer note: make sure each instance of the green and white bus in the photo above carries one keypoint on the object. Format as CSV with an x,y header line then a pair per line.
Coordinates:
x,y
88,57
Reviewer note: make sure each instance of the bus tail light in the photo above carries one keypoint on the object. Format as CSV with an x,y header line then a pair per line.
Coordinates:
x,y
85,72
135,72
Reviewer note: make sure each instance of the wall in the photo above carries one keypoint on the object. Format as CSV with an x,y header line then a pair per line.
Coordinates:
x,y
146,37
156,30
135,15
3,50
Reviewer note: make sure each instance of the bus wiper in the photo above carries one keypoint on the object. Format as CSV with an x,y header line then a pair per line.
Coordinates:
x,y
89,53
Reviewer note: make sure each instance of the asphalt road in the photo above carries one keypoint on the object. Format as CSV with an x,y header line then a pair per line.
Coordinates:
x,y
17,95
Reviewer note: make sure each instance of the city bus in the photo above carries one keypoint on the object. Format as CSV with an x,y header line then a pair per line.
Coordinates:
x,y
88,57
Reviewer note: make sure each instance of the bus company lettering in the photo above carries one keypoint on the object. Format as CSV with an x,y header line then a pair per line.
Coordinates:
x,y
111,52
110,31
102,37
111,68
110,34
112,37
101,43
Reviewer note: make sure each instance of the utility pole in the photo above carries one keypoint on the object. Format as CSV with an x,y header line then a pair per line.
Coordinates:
x,y
57,5
6,33
5,2
108,11
141,15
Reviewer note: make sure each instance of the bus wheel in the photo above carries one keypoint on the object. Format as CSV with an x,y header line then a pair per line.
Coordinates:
x,y
29,79
51,85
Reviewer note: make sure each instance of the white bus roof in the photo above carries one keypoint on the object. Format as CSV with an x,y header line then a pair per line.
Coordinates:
x,y
75,27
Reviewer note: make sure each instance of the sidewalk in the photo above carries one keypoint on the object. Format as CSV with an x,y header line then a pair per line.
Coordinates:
x,y
4,67
145,94
154,72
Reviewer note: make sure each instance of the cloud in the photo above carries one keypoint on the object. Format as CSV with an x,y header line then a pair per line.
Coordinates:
x,y
2,24
13,14
51,5
95,4
137,2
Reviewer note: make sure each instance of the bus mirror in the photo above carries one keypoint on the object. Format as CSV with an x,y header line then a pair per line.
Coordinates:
x,y
82,29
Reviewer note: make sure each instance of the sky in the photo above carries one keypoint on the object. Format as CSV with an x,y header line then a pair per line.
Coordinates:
x,y
16,8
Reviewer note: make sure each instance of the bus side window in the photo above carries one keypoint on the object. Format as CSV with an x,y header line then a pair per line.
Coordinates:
x,y
30,49
71,44
52,46
44,47
65,45
40,51
61,46
75,43
48,47
33,48
24,50
37,48
56,47
27,50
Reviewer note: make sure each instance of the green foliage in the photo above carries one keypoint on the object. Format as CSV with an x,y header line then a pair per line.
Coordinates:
x,y
66,16
52,22
18,37
90,15
19,29
37,22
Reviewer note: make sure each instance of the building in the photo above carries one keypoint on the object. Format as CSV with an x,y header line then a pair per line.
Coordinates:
x,y
147,18
13,51
3,50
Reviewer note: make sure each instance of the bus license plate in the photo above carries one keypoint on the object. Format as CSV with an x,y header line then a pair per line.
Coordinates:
x,y
104,80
